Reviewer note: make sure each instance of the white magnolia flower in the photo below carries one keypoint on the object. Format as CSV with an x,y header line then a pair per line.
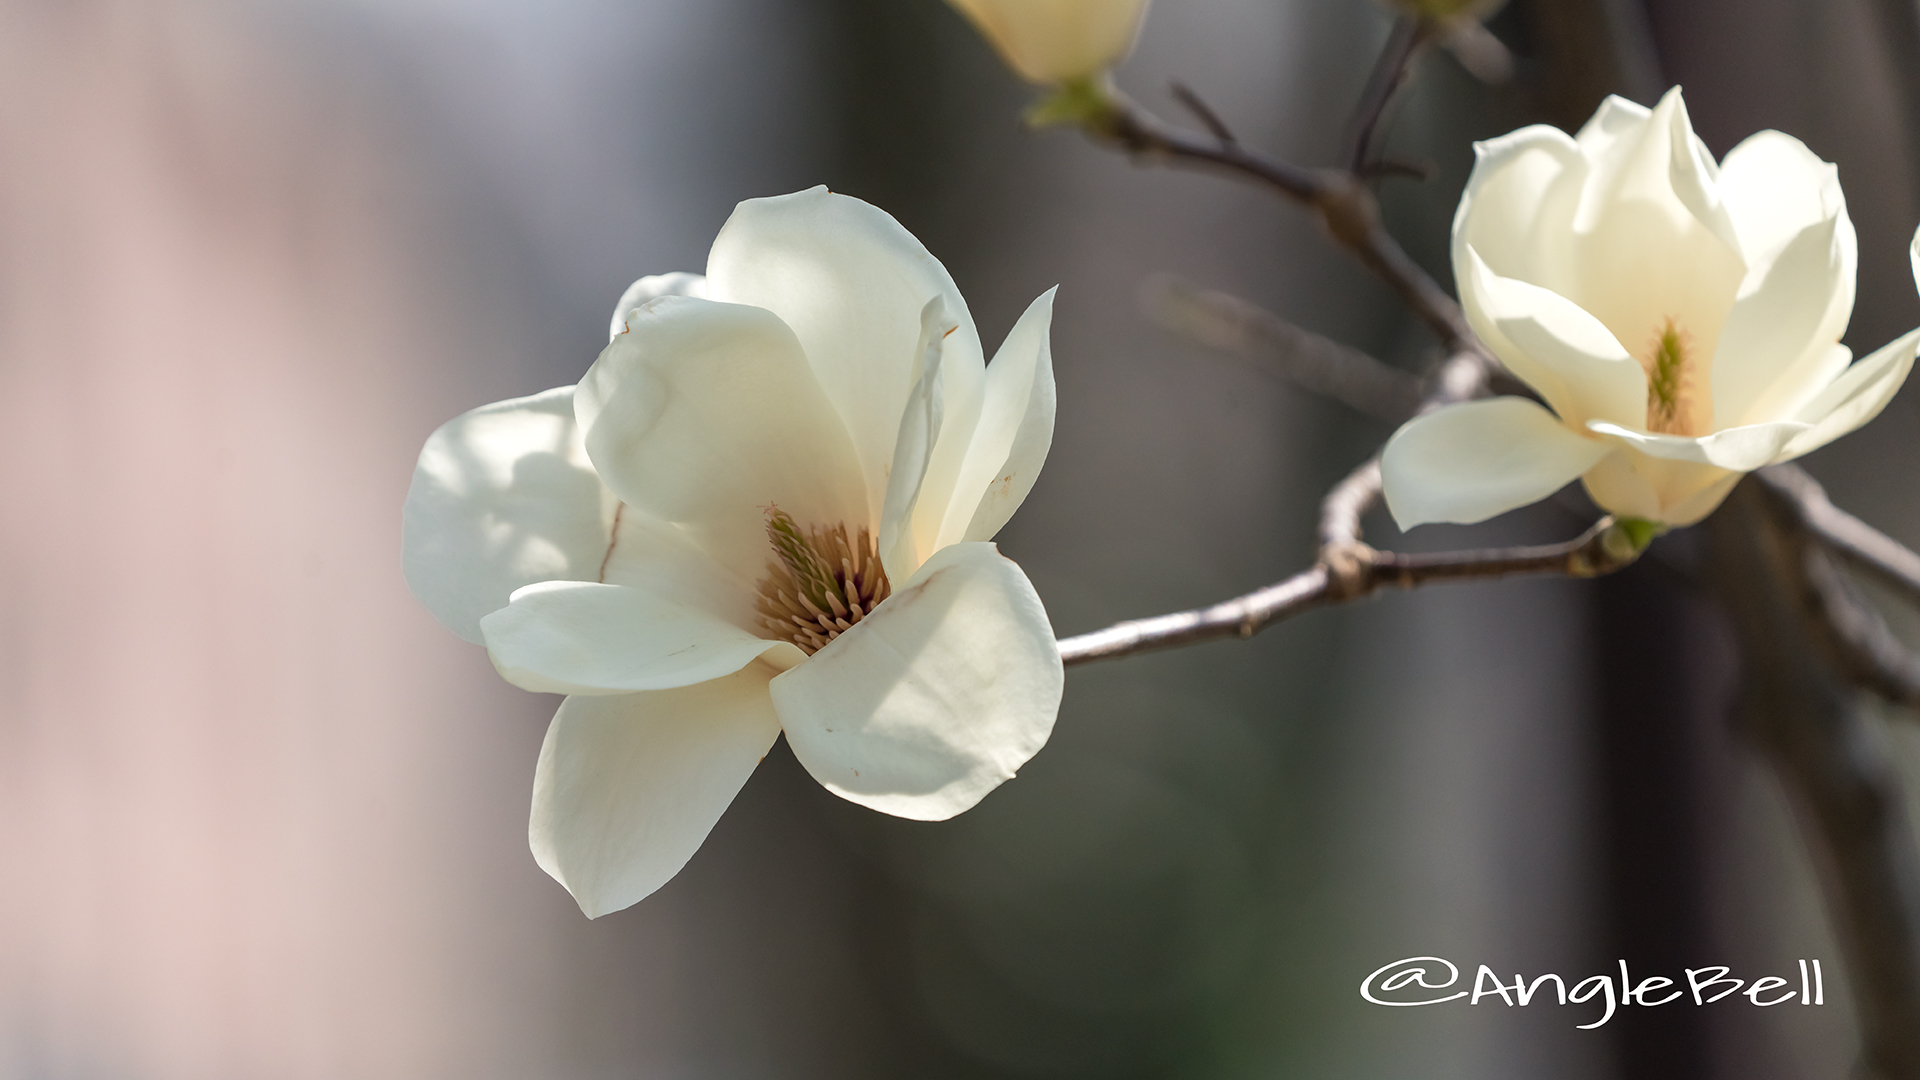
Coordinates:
x,y
764,508
1680,320
1056,41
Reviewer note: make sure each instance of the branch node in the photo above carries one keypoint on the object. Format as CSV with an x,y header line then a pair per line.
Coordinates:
x,y
1351,570
1348,207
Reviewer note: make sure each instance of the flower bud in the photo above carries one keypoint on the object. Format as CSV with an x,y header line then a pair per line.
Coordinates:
x,y
1447,11
1057,41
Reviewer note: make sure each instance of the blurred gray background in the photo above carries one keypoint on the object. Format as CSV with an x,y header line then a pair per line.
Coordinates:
x,y
262,818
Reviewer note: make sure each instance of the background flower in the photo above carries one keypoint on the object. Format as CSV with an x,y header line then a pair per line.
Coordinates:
x,y
1056,41
766,510
1681,320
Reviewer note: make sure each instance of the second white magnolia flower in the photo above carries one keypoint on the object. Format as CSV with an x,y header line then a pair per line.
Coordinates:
x,y
765,508
1681,320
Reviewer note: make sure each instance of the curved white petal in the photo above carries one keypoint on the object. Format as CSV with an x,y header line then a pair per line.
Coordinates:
x,y
705,414
1519,203
1854,398
1617,487
852,282
934,699
581,637
1775,189
651,554
503,496
1708,497
629,786
678,283
1775,347
920,424
1741,449
1015,432
1557,348
1628,483
1468,462
1612,125
1692,172
1651,240
1651,157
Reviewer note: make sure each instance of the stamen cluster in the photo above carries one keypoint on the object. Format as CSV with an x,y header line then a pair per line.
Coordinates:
x,y
1669,381
821,582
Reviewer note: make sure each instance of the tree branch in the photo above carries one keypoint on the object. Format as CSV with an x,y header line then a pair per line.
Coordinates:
x,y
1854,637
1409,33
1865,547
1316,363
1833,761
1340,197
1602,549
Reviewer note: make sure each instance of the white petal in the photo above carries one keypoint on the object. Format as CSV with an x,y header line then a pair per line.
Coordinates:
x,y
1629,483
1856,397
920,424
675,284
1651,241
1793,307
1617,487
502,496
1015,432
934,699
661,558
581,637
1612,125
1775,188
1557,348
1741,449
851,282
628,787
1691,509
1692,171
1468,462
1519,205
1654,157
704,415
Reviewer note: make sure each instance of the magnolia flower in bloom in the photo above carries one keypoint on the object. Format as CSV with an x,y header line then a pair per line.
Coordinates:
x,y
1057,41
1681,321
765,508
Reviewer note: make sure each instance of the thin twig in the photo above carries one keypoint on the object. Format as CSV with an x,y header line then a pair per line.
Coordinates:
x,y
1602,549
1862,545
1344,202
1316,363
1389,74
1204,113
1380,168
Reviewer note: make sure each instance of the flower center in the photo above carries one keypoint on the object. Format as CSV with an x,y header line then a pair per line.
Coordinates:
x,y
1670,380
820,582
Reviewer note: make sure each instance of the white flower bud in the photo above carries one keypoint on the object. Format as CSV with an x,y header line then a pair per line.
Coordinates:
x,y
1056,41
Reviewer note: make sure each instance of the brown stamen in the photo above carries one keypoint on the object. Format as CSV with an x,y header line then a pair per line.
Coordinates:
x,y
820,582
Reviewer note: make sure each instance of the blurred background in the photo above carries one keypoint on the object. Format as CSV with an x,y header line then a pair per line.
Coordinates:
x,y
262,818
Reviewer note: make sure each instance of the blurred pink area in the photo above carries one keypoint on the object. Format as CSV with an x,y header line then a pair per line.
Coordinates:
x,y
243,794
